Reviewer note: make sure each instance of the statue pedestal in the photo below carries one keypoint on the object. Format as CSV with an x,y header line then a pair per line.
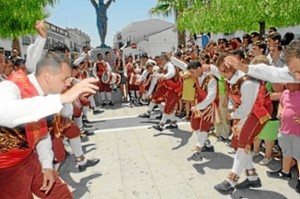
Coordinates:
x,y
102,51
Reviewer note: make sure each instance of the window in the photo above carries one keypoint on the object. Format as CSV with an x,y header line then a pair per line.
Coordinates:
x,y
26,40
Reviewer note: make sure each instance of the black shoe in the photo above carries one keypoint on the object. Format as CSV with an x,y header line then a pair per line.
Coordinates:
x,y
196,157
111,103
103,104
159,117
246,184
221,139
208,149
172,126
279,174
158,127
88,133
145,115
87,125
224,188
89,163
96,112
298,187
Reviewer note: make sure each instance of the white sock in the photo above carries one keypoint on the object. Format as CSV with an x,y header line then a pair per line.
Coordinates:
x,y
85,110
165,117
102,96
151,106
78,121
132,95
202,137
75,144
240,161
173,118
161,107
108,95
56,166
137,94
92,100
249,166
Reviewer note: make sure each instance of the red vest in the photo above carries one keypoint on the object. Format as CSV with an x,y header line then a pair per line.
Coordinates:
x,y
201,91
100,69
262,100
11,155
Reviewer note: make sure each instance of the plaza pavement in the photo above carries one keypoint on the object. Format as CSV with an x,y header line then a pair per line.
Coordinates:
x,y
140,162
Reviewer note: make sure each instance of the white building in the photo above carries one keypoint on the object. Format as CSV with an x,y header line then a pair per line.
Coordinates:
x,y
78,39
72,37
153,36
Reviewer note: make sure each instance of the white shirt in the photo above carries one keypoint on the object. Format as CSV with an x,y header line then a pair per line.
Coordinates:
x,y
34,53
154,80
180,64
211,92
171,70
16,111
249,91
273,74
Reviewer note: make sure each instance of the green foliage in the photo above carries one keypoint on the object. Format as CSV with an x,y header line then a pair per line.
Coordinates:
x,y
232,15
17,17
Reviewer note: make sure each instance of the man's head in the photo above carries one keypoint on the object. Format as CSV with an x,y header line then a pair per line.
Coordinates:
x,y
15,53
254,36
292,55
260,59
272,30
144,59
20,65
53,73
225,71
163,59
195,68
99,56
274,39
275,52
2,57
107,55
85,49
149,65
259,48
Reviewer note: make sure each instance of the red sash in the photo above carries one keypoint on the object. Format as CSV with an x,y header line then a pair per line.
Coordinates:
x,y
34,130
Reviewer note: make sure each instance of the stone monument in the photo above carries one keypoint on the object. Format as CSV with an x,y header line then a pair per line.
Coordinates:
x,y
101,12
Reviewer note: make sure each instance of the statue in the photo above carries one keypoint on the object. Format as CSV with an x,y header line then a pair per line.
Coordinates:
x,y
101,10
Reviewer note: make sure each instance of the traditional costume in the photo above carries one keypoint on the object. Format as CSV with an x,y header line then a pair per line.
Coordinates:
x,y
252,109
25,145
104,89
168,90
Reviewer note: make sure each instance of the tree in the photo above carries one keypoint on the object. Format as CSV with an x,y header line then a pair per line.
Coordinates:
x,y
231,15
171,7
18,17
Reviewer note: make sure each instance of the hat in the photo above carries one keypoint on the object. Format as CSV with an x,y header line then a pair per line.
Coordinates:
x,y
79,61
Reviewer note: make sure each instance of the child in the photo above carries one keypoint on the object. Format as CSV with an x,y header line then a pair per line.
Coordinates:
x,y
289,136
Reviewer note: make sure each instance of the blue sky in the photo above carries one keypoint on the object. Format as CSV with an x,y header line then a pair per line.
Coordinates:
x,y
81,14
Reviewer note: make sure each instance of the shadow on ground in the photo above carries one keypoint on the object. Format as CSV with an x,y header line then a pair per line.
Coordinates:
x,y
255,194
177,133
80,188
213,161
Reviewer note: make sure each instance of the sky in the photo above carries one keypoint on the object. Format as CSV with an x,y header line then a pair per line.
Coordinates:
x,y
81,14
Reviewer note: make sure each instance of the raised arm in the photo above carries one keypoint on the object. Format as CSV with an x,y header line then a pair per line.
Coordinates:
x,y
108,3
94,4
35,50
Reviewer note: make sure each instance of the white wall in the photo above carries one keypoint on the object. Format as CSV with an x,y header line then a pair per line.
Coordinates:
x,y
165,41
